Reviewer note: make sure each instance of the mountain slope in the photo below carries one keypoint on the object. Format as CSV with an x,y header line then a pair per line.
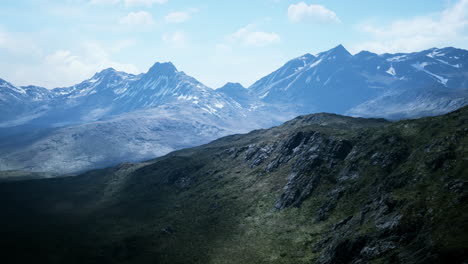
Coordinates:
x,y
423,83
16,101
237,92
320,188
139,135
116,117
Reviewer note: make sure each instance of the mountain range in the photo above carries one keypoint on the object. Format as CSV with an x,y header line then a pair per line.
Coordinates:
x,y
115,117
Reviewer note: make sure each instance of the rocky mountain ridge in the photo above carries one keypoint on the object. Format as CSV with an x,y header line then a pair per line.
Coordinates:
x,y
320,188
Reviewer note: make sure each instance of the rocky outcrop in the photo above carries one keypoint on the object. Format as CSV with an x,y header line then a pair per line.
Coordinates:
x,y
317,156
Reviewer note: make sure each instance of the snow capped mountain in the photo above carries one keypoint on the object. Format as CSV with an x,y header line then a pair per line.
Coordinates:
x,y
110,92
425,83
10,92
239,93
267,83
338,53
327,82
11,100
115,117
37,93
332,81
336,81
17,101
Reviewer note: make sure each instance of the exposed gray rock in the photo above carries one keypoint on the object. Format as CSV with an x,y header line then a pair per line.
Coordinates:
x,y
350,172
342,223
326,209
378,249
389,223
343,251
315,156
259,154
251,151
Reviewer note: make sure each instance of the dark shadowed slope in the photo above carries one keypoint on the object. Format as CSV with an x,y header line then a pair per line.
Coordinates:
x,y
318,189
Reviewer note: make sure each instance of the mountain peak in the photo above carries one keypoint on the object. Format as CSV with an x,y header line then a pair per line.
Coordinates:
x,y
365,55
104,72
164,67
340,47
237,92
232,86
297,64
336,52
306,56
110,69
5,84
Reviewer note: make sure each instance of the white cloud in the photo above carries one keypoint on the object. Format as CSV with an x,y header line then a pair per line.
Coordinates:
x,y
122,44
65,67
176,39
180,16
247,36
130,2
446,28
18,43
314,13
142,18
143,2
223,48
177,17
226,63
104,1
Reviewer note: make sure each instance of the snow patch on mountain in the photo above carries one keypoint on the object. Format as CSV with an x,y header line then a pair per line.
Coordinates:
x,y
315,63
391,71
399,58
421,67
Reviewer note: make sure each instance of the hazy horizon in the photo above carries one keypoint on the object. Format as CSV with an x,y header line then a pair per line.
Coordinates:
x,y
52,44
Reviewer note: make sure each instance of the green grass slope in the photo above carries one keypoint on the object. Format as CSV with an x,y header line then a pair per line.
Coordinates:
x,y
318,189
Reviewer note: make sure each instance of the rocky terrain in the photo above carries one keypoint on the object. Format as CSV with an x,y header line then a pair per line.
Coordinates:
x,y
320,188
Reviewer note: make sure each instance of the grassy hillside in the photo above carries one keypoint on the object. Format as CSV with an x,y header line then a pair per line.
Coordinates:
x,y
318,189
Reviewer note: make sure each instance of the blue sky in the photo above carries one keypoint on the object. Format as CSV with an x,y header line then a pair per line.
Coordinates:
x,y
55,43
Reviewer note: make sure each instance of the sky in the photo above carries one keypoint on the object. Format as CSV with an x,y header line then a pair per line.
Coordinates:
x,y
58,43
